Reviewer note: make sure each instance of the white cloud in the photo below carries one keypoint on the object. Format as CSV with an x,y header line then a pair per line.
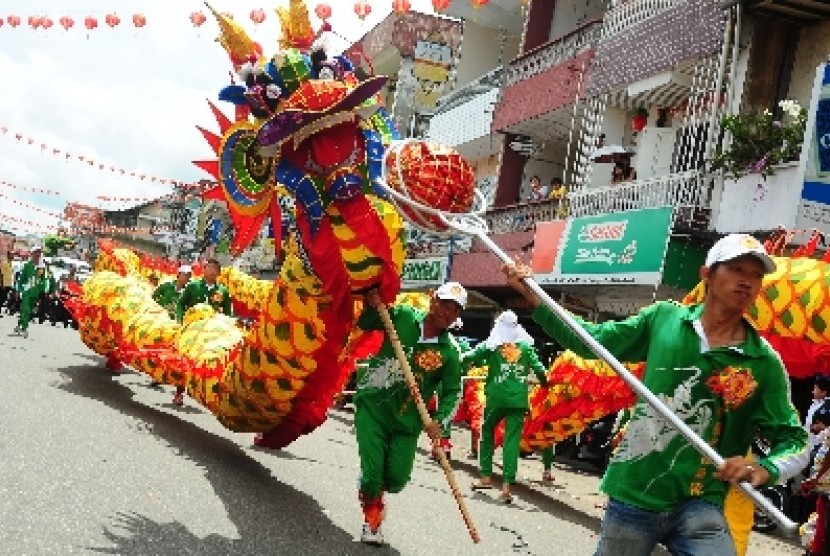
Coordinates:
x,y
125,97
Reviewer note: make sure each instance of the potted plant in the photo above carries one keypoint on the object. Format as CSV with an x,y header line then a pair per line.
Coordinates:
x,y
639,120
761,141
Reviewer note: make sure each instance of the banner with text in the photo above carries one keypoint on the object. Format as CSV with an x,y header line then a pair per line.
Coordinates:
x,y
621,248
423,273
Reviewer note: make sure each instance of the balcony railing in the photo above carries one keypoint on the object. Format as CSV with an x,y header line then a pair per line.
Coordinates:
x,y
628,13
688,193
521,218
553,53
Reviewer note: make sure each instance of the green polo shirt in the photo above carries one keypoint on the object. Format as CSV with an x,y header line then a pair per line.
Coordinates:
x,y
381,387
506,382
167,295
726,395
197,291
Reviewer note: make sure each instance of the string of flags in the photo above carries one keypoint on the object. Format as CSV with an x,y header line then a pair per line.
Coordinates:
x,y
35,208
89,161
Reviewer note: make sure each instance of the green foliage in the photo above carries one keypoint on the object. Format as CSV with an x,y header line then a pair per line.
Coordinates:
x,y
760,141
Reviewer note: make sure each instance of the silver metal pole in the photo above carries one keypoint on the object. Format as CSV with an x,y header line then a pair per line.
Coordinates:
x,y
639,388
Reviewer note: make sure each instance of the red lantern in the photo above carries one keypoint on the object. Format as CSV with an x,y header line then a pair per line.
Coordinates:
x,y
112,20
35,21
258,15
479,3
139,20
440,5
400,6
90,23
362,9
66,22
197,18
323,11
13,20
46,22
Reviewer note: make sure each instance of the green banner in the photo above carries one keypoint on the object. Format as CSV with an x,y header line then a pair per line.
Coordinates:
x,y
421,273
619,248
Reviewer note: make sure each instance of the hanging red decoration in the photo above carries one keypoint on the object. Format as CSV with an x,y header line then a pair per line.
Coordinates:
x,y
639,120
479,3
400,6
35,21
258,15
440,5
362,9
1,21
139,20
323,11
66,22
197,18
112,20
13,20
46,22
90,23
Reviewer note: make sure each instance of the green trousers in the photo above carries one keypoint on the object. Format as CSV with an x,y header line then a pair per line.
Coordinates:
x,y
547,458
386,454
28,301
513,420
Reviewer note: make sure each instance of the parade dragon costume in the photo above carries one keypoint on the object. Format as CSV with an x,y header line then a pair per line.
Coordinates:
x,y
311,130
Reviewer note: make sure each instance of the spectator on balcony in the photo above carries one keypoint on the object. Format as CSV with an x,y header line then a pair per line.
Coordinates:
x,y
623,171
538,192
558,190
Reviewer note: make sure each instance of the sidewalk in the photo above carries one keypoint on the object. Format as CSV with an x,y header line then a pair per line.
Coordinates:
x,y
576,484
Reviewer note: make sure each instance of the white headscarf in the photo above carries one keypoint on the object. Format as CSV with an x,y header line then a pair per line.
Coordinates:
x,y
507,330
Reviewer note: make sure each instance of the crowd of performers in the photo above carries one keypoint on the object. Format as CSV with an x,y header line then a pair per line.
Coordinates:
x,y
33,292
718,375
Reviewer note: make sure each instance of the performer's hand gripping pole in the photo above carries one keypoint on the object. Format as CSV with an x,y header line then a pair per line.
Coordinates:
x,y
426,419
473,224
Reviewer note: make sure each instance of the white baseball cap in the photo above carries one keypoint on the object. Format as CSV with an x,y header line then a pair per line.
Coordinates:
x,y
185,269
454,291
736,245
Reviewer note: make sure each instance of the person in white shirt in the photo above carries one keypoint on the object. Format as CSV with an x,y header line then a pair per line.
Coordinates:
x,y
821,391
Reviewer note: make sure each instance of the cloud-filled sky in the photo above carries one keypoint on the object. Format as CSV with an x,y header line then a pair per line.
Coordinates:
x,y
124,97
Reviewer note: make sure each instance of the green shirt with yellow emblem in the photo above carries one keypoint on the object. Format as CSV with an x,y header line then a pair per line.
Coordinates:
x,y
381,387
197,291
726,395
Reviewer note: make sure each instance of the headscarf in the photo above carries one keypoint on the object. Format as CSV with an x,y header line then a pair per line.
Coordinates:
x,y
507,330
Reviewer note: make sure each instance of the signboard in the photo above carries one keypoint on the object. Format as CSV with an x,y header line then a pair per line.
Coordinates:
x,y
423,273
620,248
814,209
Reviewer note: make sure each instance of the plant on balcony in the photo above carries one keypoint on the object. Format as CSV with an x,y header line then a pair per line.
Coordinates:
x,y
760,141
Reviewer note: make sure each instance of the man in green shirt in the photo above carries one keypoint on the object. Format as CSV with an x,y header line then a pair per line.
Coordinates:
x,y
712,369
203,290
386,418
509,356
32,283
167,294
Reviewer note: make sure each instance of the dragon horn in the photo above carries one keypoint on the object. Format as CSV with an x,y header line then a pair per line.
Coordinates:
x,y
233,38
295,26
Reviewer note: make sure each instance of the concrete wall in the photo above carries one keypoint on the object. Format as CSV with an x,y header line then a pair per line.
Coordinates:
x,y
483,50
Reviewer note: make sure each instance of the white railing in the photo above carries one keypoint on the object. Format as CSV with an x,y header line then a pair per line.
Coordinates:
x,y
553,53
683,190
627,13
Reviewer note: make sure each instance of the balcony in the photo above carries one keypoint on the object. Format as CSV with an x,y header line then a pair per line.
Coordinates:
x,y
540,83
463,118
802,12
643,38
688,193
523,217
629,13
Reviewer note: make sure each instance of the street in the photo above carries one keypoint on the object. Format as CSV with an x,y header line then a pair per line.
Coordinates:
x,y
99,464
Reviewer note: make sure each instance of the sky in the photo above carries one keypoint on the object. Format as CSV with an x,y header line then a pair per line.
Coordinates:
x,y
123,97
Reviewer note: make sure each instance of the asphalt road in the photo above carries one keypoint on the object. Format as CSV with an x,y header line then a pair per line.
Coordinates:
x,y
92,463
